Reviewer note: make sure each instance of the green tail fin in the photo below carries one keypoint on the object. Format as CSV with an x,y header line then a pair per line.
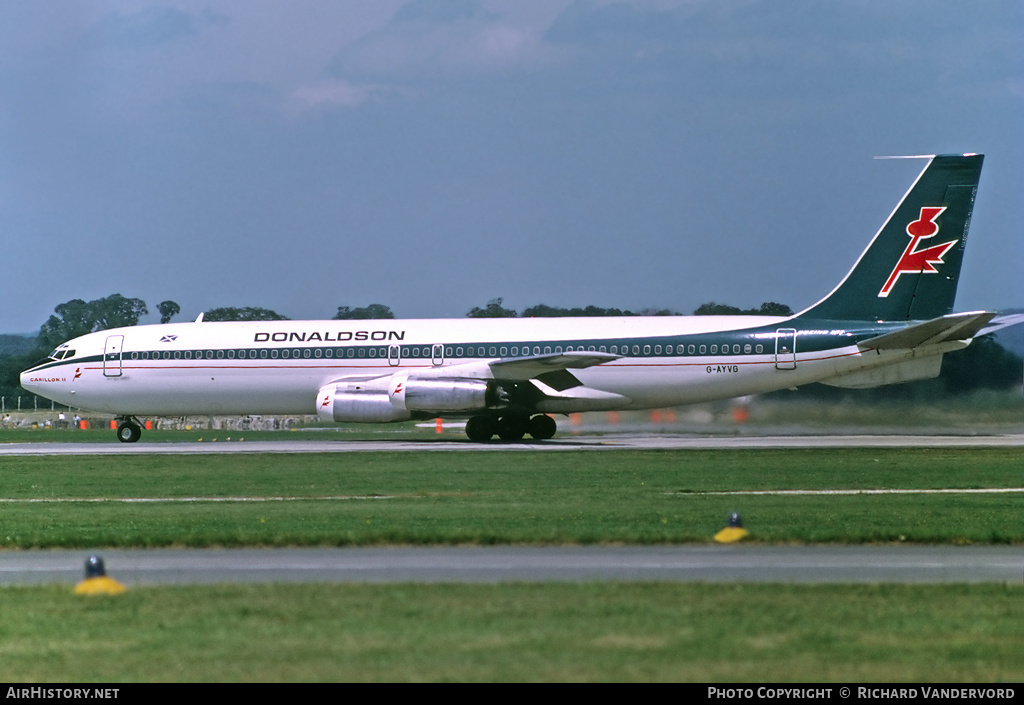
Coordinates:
x,y
911,269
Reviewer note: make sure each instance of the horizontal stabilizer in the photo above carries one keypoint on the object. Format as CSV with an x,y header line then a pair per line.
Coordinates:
x,y
955,326
1002,321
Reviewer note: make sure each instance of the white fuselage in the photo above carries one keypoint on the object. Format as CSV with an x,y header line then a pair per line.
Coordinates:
x,y
278,367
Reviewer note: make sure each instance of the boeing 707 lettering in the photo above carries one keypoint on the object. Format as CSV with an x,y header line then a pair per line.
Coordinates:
x,y
890,320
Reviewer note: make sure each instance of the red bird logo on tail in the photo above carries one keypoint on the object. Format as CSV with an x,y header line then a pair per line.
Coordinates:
x,y
914,261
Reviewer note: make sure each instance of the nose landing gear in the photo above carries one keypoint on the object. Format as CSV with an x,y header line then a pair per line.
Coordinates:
x,y
129,430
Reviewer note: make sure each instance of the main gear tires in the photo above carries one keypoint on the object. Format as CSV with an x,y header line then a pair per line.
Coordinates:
x,y
542,427
512,428
480,428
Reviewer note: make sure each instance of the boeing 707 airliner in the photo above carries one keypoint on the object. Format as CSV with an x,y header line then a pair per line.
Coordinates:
x,y
890,320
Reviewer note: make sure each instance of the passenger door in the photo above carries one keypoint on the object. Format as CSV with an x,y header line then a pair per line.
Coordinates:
x,y
112,356
785,349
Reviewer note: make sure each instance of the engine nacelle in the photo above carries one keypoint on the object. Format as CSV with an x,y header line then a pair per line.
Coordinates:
x,y
398,398
368,407
448,394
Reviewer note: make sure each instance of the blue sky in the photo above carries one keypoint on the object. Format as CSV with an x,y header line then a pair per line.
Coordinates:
x,y
434,154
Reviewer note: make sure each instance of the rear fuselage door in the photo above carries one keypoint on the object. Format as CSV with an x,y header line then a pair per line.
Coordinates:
x,y
785,349
394,355
112,356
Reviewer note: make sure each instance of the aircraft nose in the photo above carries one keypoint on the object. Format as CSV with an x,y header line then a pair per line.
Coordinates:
x,y
35,380
27,382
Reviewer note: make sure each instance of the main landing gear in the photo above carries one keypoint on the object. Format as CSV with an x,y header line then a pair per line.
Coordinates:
x,y
129,429
510,428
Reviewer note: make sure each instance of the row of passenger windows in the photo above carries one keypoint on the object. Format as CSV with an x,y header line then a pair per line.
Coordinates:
x,y
415,351
646,350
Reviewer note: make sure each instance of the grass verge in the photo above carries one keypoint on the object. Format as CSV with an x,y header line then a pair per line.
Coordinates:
x,y
493,497
515,632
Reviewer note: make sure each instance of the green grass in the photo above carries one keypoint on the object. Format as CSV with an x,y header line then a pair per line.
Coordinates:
x,y
517,497
515,632
601,631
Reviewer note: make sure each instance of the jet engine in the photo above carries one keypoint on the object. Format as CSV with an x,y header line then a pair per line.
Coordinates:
x,y
366,407
399,398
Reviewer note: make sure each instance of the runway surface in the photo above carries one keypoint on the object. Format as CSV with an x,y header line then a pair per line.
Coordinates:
x,y
634,441
738,563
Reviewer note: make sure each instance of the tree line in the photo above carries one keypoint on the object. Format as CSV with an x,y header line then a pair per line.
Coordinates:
x,y
984,364
496,309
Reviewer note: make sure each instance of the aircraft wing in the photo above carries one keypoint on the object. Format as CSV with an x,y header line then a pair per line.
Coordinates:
x,y
955,326
552,367
562,391
524,368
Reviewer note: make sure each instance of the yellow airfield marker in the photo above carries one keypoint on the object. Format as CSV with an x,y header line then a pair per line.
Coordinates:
x,y
97,582
733,532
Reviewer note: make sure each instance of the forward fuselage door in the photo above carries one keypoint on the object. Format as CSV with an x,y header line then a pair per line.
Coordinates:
x,y
112,356
785,349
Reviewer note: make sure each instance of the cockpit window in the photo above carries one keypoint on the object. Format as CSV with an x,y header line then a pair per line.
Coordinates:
x,y
61,353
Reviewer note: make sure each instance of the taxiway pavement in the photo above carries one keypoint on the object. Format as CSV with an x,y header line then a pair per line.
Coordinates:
x,y
474,564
